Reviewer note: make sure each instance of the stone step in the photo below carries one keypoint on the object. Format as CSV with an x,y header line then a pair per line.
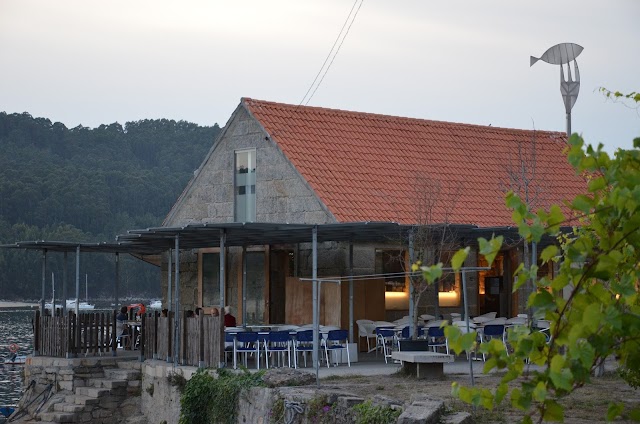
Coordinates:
x,y
109,384
92,392
81,400
130,365
122,374
68,407
60,417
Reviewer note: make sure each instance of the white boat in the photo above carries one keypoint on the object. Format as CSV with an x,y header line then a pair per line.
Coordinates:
x,y
156,304
71,304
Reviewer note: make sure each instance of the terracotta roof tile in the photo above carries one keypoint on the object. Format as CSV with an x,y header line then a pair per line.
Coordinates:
x,y
368,167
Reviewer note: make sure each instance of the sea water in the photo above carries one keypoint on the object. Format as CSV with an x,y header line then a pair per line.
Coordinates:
x,y
15,327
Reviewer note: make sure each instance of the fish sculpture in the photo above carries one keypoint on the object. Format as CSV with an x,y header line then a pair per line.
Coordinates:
x,y
559,54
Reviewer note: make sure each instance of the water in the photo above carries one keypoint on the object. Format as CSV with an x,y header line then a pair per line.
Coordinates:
x,y
15,327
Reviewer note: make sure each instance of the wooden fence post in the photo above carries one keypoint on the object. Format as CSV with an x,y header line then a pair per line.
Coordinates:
x,y
142,336
36,334
114,336
170,316
201,363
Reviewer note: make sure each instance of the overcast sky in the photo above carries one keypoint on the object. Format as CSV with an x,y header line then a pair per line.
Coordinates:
x,y
97,62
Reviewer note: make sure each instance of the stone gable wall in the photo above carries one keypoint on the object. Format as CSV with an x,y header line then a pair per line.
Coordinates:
x,y
281,193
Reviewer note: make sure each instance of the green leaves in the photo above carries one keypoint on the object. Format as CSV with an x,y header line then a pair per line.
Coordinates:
x,y
432,273
592,301
490,248
459,257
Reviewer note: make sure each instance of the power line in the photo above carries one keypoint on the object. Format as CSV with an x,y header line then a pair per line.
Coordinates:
x,y
333,52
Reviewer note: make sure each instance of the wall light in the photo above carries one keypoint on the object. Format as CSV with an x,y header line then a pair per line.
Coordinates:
x,y
396,300
449,299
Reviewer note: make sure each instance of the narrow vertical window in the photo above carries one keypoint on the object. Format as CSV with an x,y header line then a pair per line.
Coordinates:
x,y
245,186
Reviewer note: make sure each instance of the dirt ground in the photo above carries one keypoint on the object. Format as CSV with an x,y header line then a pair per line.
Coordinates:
x,y
587,405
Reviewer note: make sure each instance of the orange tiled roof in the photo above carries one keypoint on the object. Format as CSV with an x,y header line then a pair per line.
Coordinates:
x,y
368,167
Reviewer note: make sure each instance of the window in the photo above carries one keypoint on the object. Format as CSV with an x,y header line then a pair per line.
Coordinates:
x,y
245,186
210,264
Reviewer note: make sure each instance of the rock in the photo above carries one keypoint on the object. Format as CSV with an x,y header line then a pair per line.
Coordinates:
x,y
458,418
278,377
422,412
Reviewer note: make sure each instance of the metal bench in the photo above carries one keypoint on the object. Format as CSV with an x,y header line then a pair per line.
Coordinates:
x,y
423,364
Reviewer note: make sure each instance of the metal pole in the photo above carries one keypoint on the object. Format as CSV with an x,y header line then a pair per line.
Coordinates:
x,y
351,335
64,284
116,299
44,279
569,124
77,283
244,286
223,258
412,307
176,318
466,316
169,269
316,307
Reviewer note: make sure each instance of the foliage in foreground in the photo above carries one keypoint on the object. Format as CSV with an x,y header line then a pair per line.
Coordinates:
x,y
368,413
592,303
207,399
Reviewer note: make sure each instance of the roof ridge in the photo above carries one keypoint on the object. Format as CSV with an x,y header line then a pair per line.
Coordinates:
x,y
382,117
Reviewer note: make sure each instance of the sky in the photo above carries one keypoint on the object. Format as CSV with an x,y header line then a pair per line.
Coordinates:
x,y
89,63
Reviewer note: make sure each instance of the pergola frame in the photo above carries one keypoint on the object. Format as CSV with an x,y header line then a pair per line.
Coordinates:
x,y
154,241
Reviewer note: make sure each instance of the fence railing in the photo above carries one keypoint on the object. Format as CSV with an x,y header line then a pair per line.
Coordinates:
x,y
67,336
201,339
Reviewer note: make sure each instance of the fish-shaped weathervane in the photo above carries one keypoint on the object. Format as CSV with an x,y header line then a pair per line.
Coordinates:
x,y
562,54
559,54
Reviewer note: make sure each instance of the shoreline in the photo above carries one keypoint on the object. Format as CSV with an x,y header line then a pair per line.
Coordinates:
x,y
17,305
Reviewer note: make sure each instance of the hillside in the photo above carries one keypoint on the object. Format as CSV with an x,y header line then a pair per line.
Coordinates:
x,y
89,184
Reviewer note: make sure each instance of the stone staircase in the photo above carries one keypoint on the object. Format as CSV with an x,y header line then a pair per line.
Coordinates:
x,y
112,398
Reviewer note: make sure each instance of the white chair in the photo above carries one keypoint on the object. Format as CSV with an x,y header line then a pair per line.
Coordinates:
x,y
455,316
385,338
366,329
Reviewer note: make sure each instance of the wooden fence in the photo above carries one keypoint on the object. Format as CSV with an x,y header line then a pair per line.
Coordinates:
x,y
69,336
201,339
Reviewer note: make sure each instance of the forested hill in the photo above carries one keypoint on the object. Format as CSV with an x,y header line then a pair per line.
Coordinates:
x,y
89,184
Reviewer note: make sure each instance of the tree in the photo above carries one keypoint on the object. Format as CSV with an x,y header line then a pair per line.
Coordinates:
x,y
432,237
598,267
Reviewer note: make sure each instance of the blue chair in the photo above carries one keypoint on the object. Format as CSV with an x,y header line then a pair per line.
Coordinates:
x,y
246,342
406,335
494,331
229,341
303,343
278,342
335,341
385,340
437,339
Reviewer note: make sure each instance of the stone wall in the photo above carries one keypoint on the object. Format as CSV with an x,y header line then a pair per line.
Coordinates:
x,y
97,390
160,394
281,193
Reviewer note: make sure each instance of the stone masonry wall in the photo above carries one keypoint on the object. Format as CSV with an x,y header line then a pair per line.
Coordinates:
x,y
281,194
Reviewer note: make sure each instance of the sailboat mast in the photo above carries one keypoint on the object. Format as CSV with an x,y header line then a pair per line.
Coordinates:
x,y
53,293
86,286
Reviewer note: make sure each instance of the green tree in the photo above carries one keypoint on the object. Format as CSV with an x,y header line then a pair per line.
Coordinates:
x,y
598,316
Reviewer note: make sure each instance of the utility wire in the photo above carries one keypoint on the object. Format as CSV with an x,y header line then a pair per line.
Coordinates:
x,y
333,52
